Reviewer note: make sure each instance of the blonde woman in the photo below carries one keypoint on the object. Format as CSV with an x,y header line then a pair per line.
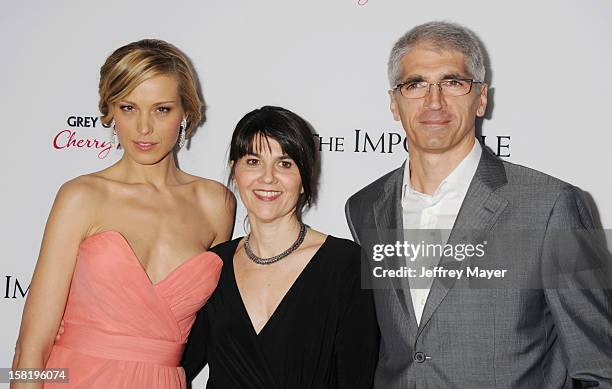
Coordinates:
x,y
124,258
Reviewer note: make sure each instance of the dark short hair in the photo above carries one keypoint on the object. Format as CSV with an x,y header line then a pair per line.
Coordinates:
x,y
295,137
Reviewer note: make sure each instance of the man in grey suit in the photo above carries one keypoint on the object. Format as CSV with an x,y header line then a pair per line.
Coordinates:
x,y
444,333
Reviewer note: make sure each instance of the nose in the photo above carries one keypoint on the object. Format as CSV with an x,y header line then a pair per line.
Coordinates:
x,y
267,175
145,124
434,98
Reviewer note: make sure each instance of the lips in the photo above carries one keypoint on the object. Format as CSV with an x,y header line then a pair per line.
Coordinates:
x,y
267,195
434,120
145,146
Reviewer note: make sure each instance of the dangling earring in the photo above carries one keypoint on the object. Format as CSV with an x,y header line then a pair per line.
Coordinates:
x,y
114,138
182,129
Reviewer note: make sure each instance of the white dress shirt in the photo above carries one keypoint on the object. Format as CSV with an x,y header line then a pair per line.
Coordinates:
x,y
436,212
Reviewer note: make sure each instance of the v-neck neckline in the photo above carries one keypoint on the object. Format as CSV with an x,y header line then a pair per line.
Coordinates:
x,y
138,263
286,296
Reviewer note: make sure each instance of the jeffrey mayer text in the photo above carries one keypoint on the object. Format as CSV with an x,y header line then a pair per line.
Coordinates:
x,y
439,272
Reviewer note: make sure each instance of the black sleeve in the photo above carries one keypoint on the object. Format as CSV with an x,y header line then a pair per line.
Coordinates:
x,y
194,356
357,340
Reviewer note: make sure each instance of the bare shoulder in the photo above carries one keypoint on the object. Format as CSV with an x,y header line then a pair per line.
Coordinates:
x,y
314,239
209,187
84,194
80,191
75,208
218,205
214,196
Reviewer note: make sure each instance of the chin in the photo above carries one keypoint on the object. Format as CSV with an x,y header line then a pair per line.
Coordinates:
x,y
147,158
431,145
267,215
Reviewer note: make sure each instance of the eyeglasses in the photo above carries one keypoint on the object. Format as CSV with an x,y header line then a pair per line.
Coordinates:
x,y
449,88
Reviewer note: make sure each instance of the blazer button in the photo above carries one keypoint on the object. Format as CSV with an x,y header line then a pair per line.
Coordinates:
x,y
419,357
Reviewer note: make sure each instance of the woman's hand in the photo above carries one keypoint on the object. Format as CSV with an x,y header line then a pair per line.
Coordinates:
x,y
60,331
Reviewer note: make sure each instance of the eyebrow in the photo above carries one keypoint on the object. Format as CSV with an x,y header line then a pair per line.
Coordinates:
x,y
413,79
159,103
446,76
449,76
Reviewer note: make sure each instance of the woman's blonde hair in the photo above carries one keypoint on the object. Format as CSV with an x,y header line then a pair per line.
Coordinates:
x,y
130,65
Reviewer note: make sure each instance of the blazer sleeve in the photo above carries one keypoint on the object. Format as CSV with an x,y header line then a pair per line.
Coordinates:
x,y
195,353
581,301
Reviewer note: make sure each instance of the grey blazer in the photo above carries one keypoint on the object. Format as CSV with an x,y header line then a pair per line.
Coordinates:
x,y
491,338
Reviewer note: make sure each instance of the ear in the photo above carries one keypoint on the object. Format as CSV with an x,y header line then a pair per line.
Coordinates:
x,y
394,106
232,182
110,123
482,103
111,110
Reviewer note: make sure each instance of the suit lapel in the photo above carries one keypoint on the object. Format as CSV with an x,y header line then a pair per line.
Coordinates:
x,y
478,213
389,225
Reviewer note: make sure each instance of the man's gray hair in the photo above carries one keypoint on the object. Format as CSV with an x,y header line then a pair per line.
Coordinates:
x,y
442,36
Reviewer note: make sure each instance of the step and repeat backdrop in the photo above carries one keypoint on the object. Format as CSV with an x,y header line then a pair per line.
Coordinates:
x,y
325,60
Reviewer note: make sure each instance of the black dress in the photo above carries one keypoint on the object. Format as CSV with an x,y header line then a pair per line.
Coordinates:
x,y
322,335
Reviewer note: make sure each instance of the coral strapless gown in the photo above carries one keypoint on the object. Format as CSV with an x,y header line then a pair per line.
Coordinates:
x,y
123,331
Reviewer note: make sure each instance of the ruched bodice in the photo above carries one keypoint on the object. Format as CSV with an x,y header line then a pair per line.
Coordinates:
x,y
122,330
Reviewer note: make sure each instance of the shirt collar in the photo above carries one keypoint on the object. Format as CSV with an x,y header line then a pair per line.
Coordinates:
x,y
458,181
